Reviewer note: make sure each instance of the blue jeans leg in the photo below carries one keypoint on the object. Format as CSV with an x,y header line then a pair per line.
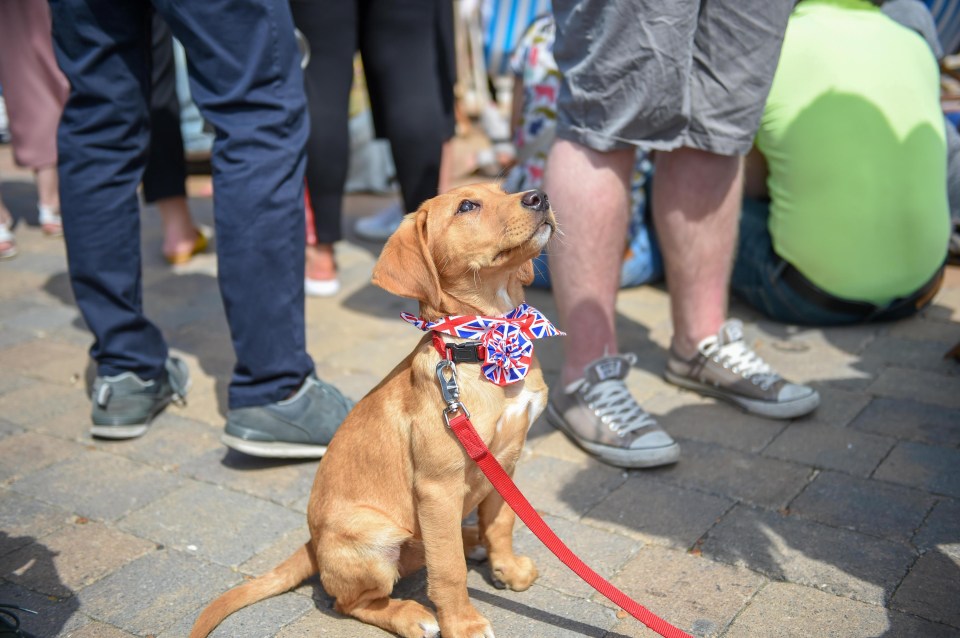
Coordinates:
x,y
103,48
248,84
246,80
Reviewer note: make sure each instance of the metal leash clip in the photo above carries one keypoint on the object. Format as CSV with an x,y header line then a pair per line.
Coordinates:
x,y
450,389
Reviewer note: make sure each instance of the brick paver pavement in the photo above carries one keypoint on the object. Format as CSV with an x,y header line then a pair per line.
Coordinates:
x,y
845,523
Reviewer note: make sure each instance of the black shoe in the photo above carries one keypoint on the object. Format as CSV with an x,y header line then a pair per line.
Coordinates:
x,y
298,427
10,622
124,404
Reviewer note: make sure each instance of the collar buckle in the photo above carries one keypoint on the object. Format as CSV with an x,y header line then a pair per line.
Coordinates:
x,y
465,352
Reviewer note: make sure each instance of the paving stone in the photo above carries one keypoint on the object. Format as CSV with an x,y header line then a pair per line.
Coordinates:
x,y
931,589
783,610
547,441
265,618
941,530
908,353
326,622
928,467
213,523
98,630
171,442
49,360
601,550
23,520
919,385
566,489
54,617
871,507
709,422
277,552
281,481
10,380
539,611
807,553
10,336
23,453
6,428
41,321
838,407
919,329
658,513
735,475
688,591
72,558
814,355
22,283
38,402
144,596
98,485
906,419
829,447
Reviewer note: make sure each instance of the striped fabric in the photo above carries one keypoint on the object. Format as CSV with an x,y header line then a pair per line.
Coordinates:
x,y
504,21
946,13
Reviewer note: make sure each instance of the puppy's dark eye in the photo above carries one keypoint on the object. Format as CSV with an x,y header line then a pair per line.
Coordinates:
x,y
466,206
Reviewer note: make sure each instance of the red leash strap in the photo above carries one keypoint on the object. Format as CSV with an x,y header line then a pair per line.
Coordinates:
x,y
475,447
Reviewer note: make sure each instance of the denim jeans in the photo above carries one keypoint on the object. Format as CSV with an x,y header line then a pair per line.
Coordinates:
x,y
757,279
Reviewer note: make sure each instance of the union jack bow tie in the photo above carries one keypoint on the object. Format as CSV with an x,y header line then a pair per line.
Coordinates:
x,y
507,340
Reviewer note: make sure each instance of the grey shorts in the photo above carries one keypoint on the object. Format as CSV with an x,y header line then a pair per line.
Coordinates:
x,y
660,74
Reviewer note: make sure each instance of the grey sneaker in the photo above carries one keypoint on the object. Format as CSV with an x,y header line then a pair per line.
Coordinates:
x,y
124,404
726,368
297,428
600,415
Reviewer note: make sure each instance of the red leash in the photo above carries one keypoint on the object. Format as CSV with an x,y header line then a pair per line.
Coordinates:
x,y
501,481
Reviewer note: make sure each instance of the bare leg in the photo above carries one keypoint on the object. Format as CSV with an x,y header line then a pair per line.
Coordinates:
x,y
8,245
179,232
48,200
590,194
696,204
48,188
321,264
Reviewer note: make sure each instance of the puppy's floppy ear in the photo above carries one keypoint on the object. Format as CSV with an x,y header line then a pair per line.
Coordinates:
x,y
405,266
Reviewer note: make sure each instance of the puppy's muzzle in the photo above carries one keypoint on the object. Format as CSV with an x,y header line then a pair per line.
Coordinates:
x,y
535,200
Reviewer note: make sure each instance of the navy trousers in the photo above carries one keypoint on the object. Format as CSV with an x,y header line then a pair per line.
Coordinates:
x,y
246,79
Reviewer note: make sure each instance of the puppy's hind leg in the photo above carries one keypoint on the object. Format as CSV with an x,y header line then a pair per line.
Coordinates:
x,y
359,565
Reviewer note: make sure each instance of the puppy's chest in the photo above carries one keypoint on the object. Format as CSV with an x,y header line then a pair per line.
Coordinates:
x,y
505,428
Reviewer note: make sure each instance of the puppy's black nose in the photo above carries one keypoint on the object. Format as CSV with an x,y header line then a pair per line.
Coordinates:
x,y
536,200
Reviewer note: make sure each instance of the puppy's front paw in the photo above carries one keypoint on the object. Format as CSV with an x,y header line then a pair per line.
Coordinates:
x,y
515,572
478,628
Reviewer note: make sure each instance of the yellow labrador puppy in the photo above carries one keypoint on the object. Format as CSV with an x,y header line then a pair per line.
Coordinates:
x,y
395,484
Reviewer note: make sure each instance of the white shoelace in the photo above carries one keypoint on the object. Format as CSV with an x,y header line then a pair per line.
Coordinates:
x,y
740,359
613,403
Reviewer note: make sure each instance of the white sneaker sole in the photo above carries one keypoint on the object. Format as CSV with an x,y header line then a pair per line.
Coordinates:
x,y
274,450
770,409
620,457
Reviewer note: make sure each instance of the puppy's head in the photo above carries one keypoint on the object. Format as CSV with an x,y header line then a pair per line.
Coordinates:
x,y
467,251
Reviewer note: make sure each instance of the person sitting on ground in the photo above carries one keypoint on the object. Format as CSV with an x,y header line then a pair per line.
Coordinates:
x,y
852,155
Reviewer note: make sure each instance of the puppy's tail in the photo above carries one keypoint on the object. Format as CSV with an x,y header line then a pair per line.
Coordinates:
x,y
301,565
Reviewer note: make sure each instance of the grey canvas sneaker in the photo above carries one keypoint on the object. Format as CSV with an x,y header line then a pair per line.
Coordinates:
x,y
297,428
726,368
124,404
600,415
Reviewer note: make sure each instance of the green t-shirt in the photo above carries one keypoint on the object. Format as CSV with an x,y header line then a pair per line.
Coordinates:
x,y
854,139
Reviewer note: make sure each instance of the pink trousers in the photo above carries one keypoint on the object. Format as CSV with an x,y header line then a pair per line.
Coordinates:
x,y
34,89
